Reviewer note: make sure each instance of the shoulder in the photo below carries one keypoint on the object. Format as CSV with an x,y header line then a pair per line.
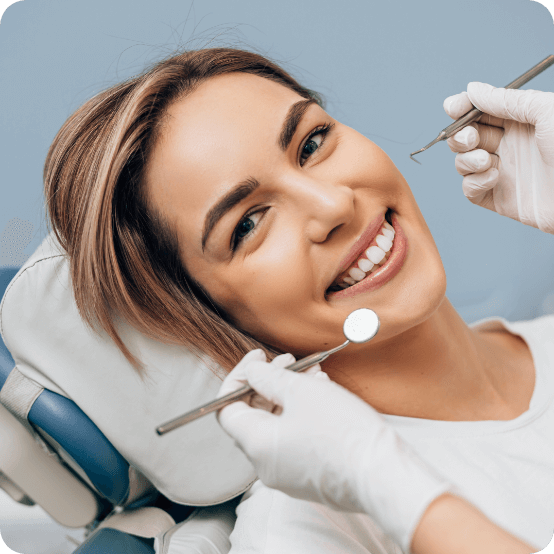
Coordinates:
x,y
270,522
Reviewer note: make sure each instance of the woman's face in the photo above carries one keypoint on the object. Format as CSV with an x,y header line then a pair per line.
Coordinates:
x,y
274,201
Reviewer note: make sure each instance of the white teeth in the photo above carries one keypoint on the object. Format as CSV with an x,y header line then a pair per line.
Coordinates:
x,y
356,274
387,233
365,265
375,254
384,243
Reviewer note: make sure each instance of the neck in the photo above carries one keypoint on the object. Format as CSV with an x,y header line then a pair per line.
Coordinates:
x,y
440,369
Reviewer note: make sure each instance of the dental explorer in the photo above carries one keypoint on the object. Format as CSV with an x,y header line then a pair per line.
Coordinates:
x,y
360,326
474,114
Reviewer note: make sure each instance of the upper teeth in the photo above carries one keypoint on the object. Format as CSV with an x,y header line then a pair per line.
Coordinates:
x,y
373,256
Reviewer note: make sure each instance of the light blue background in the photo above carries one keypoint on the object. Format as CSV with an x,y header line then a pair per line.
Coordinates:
x,y
384,67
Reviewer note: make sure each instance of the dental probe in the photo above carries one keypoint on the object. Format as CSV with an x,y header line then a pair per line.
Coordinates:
x,y
474,114
360,326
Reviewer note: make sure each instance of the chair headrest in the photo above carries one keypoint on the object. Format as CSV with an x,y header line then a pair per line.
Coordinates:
x,y
197,464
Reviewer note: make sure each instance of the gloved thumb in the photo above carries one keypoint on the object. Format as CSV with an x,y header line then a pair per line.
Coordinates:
x,y
270,381
251,428
530,107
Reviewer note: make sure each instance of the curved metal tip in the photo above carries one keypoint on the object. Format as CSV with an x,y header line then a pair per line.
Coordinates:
x,y
412,157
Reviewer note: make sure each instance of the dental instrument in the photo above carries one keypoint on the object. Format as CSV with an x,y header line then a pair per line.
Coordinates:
x,y
474,114
360,326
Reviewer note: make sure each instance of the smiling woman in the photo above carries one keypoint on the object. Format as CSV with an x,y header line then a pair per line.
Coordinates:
x,y
273,202
212,202
125,258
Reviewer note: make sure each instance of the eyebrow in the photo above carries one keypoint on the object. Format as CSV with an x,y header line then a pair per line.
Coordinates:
x,y
236,195
241,191
294,116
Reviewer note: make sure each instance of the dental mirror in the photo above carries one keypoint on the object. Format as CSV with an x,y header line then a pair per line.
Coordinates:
x,y
360,326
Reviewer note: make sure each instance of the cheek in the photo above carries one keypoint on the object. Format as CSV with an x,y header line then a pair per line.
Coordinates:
x,y
361,164
265,290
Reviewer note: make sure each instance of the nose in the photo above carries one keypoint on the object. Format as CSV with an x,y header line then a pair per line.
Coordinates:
x,y
326,206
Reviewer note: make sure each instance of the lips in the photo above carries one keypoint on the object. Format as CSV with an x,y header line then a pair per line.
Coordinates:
x,y
361,245
378,275
363,242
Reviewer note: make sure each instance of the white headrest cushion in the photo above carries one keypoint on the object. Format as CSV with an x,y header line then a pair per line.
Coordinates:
x,y
197,464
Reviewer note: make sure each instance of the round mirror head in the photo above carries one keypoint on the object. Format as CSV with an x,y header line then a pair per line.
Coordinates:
x,y
361,325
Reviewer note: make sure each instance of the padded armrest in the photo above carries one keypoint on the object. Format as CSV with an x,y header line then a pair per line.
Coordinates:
x,y
66,423
42,477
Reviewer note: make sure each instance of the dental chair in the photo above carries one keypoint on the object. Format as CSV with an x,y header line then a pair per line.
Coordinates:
x,y
77,425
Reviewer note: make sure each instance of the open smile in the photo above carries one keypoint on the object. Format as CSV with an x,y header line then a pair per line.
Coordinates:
x,y
376,263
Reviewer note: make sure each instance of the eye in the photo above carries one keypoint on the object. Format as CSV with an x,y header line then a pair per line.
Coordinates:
x,y
314,141
246,227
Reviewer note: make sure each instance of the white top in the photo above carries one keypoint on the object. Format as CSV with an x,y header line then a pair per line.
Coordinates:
x,y
505,468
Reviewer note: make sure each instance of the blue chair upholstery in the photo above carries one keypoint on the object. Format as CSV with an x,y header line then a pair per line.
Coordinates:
x,y
62,420
111,541
67,424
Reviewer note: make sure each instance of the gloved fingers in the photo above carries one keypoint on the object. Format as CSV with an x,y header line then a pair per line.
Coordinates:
x,y
465,140
475,161
257,400
489,137
525,106
235,380
478,187
247,425
315,370
491,120
254,355
286,359
476,135
457,105
283,360
322,375
271,382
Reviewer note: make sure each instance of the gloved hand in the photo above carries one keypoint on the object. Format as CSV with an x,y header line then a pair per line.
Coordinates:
x,y
328,446
507,159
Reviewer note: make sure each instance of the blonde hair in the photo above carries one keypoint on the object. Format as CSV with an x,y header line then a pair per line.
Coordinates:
x,y
124,258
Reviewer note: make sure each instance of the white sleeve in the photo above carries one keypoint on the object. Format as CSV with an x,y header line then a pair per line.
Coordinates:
x,y
270,522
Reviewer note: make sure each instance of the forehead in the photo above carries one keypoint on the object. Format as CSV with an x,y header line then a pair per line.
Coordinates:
x,y
223,132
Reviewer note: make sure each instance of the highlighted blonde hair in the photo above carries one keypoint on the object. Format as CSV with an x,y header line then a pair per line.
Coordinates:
x,y
124,258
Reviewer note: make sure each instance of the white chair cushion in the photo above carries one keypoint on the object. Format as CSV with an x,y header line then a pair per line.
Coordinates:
x,y
197,464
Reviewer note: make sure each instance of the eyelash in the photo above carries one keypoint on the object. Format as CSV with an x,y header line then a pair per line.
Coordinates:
x,y
321,130
236,241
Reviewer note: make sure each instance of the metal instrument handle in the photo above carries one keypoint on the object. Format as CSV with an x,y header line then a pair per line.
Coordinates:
x,y
239,394
474,114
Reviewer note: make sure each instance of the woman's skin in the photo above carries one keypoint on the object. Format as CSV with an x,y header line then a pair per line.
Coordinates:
x,y
425,362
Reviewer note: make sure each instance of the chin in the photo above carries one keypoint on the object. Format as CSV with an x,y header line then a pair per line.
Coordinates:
x,y
415,304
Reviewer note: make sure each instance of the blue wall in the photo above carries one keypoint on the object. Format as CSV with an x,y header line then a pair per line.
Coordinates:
x,y
384,67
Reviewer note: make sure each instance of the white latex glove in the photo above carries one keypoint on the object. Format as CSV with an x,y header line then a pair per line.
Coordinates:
x,y
507,159
328,446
